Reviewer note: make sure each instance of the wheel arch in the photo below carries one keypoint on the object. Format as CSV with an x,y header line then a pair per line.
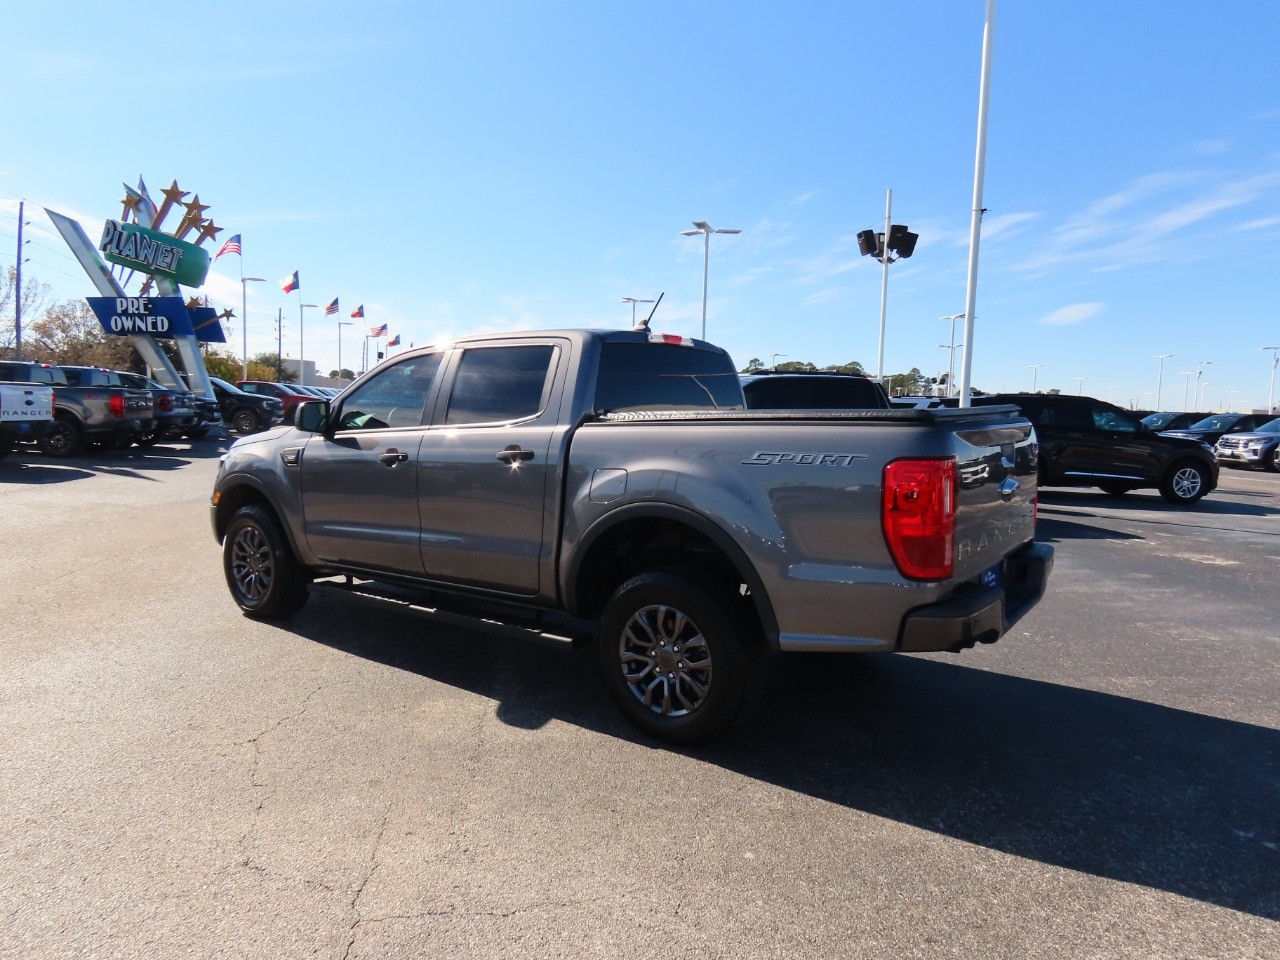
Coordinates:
x,y
242,492
629,540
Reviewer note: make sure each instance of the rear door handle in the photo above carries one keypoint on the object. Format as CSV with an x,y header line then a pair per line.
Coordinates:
x,y
392,457
514,453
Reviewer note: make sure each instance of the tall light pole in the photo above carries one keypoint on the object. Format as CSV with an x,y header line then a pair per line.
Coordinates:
x,y
633,301
1231,400
341,324
1160,380
1186,390
1200,389
1111,394
882,246
773,360
1200,365
1271,393
1080,389
706,230
302,377
951,367
244,323
1035,372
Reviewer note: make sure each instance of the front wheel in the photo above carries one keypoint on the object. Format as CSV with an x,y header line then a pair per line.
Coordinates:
x,y
265,578
682,662
1271,462
1185,483
245,421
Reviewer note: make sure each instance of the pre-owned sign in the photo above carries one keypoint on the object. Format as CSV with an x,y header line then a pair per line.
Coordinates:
x,y
153,252
163,317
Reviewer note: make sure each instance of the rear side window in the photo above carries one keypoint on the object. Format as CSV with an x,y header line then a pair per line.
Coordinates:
x,y
500,384
652,376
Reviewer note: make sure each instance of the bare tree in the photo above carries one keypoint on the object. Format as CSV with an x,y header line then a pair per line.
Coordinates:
x,y
70,333
35,293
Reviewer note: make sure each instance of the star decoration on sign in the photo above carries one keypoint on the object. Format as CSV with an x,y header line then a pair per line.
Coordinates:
x,y
172,195
208,230
193,218
130,204
226,315
194,303
146,286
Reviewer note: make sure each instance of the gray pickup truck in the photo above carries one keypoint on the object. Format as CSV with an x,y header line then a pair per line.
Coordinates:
x,y
26,412
610,487
90,405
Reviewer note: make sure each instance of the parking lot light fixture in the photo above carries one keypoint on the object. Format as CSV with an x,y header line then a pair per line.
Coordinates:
x,y
706,230
1035,372
1160,380
1271,393
1186,390
1080,389
633,301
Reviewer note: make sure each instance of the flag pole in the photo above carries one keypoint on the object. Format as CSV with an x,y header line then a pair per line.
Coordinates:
x,y
301,375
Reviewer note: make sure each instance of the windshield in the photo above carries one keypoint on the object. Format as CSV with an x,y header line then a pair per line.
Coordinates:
x,y
1271,426
1221,421
229,387
1158,421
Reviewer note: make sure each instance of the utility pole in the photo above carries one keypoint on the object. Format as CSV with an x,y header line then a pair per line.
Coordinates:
x,y
17,291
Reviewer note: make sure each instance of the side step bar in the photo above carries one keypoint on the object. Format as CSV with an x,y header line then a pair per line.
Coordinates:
x,y
380,595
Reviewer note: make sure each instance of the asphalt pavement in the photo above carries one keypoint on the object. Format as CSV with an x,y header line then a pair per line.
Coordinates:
x,y
180,781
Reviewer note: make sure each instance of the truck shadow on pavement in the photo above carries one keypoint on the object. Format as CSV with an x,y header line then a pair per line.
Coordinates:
x,y
28,465
1087,781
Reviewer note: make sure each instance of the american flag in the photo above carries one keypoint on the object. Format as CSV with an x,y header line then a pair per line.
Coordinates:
x,y
378,331
394,341
332,308
231,246
358,312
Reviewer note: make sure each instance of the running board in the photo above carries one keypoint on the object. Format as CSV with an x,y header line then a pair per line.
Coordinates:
x,y
389,598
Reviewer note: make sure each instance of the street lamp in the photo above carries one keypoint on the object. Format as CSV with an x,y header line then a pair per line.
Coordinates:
x,y
341,324
706,230
1186,390
1231,400
1111,394
882,246
1200,392
1080,389
1200,388
1160,381
1271,393
951,366
302,375
244,322
773,360
633,301
1035,372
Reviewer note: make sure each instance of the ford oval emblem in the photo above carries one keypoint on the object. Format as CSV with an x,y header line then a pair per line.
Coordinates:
x,y
1009,488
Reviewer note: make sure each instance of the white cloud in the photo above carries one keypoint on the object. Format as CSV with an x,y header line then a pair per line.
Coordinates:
x,y
1075,313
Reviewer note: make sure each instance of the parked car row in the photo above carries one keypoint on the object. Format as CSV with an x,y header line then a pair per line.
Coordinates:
x,y
1239,439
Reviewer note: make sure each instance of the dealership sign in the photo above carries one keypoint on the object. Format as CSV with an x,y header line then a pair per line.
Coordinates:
x,y
164,317
154,253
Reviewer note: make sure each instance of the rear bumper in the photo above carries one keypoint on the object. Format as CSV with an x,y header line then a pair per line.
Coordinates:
x,y
985,614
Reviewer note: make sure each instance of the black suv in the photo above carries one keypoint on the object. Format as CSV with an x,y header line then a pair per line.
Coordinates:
x,y
812,390
1090,443
243,412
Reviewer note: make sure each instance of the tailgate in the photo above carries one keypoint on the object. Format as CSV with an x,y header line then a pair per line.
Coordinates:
x,y
996,464
24,403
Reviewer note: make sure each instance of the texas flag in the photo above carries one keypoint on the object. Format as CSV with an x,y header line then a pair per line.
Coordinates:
x,y
358,312
290,283
378,331
394,341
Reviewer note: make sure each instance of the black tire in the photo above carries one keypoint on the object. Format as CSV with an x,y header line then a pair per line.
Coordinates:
x,y
147,439
196,434
682,663
63,439
1271,462
1114,489
1185,482
245,421
264,577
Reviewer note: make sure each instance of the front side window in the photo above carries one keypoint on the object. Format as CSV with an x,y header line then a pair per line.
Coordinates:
x,y
500,384
395,397
1113,421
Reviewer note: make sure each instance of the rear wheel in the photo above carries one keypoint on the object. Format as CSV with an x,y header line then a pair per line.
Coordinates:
x,y
265,578
1185,483
683,662
1272,460
63,439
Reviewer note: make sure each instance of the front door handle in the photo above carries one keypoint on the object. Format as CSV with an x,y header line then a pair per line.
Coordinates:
x,y
392,457
514,454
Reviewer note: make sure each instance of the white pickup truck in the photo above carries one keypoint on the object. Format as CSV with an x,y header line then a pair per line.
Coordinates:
x,y
26,413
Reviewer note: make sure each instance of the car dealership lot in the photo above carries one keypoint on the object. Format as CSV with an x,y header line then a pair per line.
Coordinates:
x,y
181,781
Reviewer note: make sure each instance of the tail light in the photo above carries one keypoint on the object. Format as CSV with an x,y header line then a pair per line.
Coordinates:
x,y
116,405
164,402
918,514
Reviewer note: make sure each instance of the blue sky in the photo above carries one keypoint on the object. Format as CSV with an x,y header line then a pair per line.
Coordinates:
x,y
486,166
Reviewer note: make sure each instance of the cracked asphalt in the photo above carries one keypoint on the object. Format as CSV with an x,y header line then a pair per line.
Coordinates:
x,y
179,781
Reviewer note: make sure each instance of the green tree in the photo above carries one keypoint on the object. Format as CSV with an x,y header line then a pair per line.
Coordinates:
x,y
853,366
68,332
754,365
271,364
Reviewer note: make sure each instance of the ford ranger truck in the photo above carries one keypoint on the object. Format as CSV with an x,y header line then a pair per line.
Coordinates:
x,y
610,487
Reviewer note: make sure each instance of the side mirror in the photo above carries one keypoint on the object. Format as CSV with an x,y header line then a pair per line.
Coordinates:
x,y
312,416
